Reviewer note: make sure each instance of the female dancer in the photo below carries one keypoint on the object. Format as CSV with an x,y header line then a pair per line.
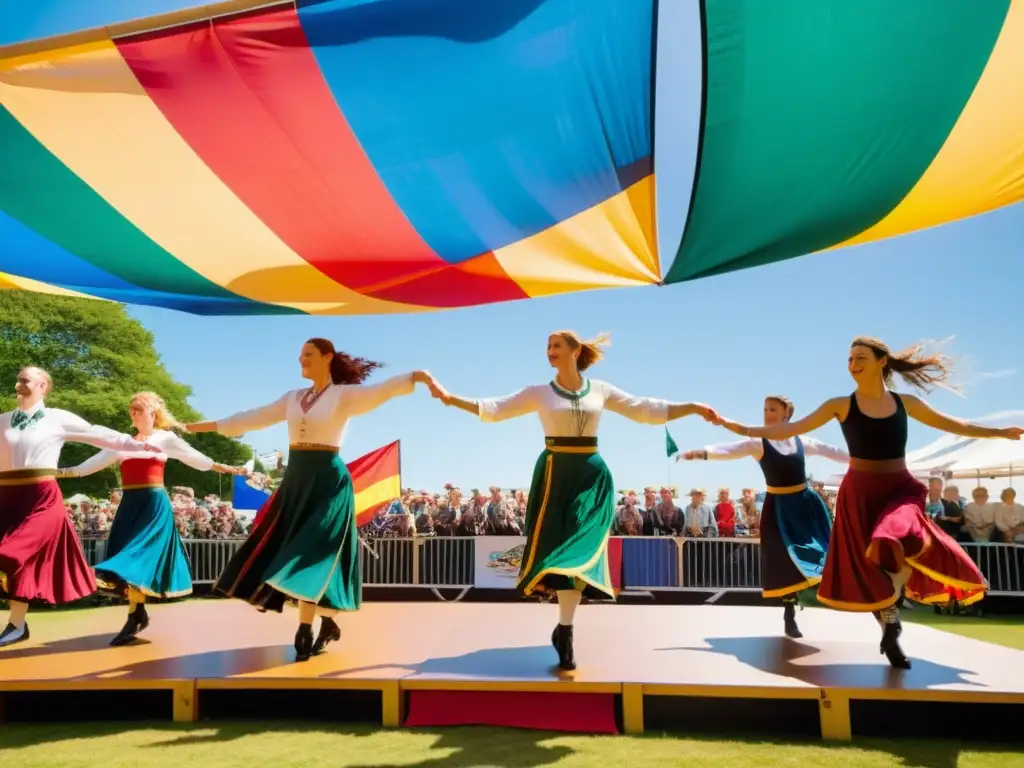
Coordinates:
x,y
572,497
883,541
795,524
145,556
305,547
41,557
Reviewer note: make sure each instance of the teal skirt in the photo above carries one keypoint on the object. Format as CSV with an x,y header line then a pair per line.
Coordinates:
x,y
795,531
144,550
305,548
569,518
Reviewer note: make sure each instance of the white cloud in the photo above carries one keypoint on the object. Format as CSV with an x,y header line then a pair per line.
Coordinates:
x,y
1002,373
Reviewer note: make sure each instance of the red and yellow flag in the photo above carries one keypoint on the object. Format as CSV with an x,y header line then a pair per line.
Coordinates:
x,y
376,481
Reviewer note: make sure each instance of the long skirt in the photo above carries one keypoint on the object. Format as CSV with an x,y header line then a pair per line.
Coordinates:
x,y
795,529
568,520
144,550
881,527
41,558
305,548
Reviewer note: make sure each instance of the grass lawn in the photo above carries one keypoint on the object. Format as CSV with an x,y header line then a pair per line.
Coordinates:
x,y
1001,630
288,746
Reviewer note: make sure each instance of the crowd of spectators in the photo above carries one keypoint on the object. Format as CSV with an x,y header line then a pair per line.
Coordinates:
x,y
207,518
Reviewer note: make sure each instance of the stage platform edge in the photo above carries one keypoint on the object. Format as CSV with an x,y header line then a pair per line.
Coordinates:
x,y
660,665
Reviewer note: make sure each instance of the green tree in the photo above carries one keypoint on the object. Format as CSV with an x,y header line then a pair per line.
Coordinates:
x,y
257,465
99,357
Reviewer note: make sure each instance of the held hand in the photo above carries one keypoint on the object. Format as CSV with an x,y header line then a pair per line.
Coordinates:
x,y
707,413
688,456
733,426
1012,433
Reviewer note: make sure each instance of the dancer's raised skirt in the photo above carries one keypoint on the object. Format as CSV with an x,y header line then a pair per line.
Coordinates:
x,y
569,517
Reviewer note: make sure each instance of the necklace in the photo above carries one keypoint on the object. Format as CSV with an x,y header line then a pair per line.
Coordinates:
x,y
579,416
310,396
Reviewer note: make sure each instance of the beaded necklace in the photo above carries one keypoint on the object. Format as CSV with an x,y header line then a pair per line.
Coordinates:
x,y
580,418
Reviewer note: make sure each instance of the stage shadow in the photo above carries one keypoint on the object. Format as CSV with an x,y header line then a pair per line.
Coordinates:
x,y
67,645
212,664
464,747
531,663
782,656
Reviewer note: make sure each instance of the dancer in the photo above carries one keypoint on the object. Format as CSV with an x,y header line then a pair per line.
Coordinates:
x,y
305,548
795,524
572,497
41,557
883,544
145,556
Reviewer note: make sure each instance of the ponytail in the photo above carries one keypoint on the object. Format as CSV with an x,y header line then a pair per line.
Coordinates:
x,y
344,368
919,370
591,351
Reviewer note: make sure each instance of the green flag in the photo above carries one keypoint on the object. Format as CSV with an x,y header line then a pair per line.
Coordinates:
x,y
670,445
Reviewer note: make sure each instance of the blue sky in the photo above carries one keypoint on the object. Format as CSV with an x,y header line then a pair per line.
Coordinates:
x,y
726,340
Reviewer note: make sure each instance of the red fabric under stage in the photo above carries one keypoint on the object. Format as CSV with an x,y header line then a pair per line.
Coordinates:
x,y
568,712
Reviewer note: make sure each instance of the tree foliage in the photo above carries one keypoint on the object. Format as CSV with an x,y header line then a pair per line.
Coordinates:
x,y
99,357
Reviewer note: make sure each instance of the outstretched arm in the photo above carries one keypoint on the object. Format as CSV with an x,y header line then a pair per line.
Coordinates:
x,y
830,409
920,411
176,448
78,430
90,466
649,410
814,447
360,399
725,452
489,409
246,421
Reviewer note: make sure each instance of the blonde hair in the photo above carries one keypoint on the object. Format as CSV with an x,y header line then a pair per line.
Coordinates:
x,y
591,350
162,417
44,375
785,402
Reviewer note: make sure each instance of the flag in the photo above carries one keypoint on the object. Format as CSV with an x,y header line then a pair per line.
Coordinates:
x,y
670,445
376,480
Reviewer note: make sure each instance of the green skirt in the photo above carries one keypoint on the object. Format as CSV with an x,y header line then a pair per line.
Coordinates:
x,y
305,548
568,520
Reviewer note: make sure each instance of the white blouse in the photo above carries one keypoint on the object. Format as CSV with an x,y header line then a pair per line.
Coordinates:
x,y
38,446
327,420
754,448
171,447
556,413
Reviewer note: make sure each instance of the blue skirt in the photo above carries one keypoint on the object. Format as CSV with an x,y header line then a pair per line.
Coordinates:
x,y
795,530
144,550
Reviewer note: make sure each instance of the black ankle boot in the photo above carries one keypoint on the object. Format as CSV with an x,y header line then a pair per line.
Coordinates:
x,y
304,642
137,621
12,635
329,632
890,646
789,616
561,638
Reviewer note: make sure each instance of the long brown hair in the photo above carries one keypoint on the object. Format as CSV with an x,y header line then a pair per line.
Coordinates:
x,y
591,350
919,370
345,369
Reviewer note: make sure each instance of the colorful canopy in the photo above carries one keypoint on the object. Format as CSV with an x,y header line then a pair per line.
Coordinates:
x,y
827,124
379,156
338,156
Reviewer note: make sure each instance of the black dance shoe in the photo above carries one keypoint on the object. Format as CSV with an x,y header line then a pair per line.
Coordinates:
x,y
137,621
329,632
561,639
890,646
789,616
13,634
304,642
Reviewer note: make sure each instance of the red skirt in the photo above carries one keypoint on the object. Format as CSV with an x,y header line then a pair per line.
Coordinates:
x,y
881,526
41,558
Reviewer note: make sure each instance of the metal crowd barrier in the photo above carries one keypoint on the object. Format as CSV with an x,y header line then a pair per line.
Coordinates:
x,y
648,563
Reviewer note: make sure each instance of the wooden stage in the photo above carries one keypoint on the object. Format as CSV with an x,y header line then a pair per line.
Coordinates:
x,y
663,667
